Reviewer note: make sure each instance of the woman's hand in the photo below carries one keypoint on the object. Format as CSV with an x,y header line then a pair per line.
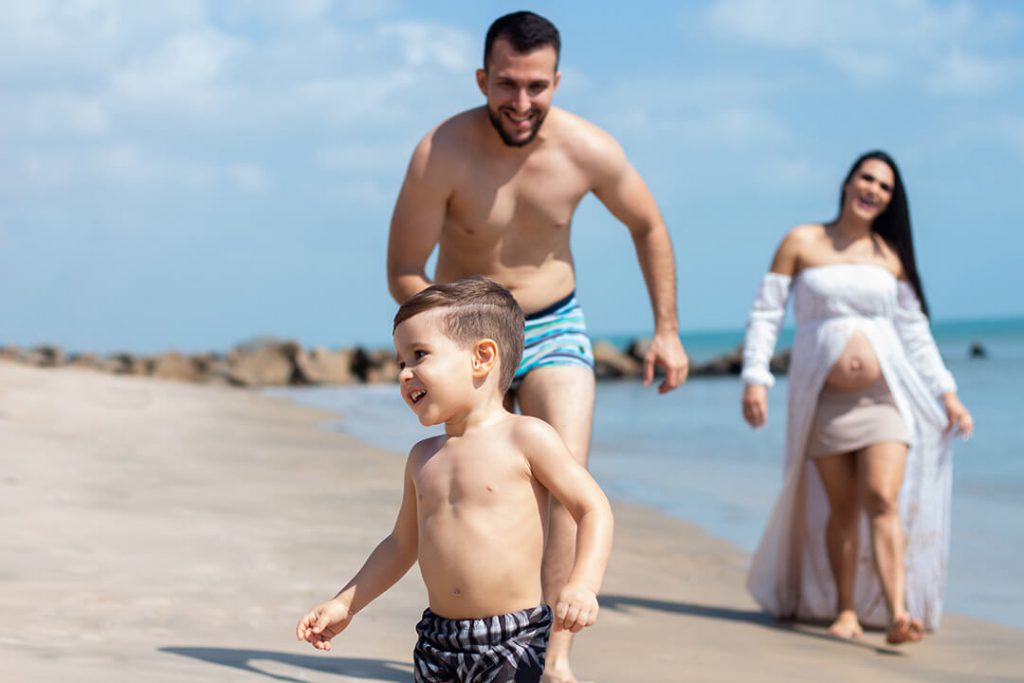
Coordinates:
x,y
755,405
959,420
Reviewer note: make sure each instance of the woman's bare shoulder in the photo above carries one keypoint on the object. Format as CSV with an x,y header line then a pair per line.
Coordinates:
x,y
795,246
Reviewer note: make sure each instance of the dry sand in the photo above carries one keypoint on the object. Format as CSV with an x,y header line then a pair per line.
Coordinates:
x,y
164,532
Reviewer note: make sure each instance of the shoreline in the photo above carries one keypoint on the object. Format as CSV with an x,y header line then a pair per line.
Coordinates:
x,y
177,532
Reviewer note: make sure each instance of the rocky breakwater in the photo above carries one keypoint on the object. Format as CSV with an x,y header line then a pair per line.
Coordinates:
x,y
271,362
611,362
253,364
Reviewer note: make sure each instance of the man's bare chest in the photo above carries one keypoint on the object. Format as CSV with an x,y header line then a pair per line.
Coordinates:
x,y
539,197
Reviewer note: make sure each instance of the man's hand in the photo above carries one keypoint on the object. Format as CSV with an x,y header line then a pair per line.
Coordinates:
x,y
576,608
323,623
666,352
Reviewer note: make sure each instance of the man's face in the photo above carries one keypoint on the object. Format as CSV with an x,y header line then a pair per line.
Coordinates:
x,y
518,87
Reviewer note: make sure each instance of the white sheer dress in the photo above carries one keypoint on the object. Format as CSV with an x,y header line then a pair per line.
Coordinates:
x,y
790,574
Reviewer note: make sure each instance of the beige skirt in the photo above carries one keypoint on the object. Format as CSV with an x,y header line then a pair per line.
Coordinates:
x,y
847,421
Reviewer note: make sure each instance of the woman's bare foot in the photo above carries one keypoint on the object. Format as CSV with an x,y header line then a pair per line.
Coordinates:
x,y
904,629
846,626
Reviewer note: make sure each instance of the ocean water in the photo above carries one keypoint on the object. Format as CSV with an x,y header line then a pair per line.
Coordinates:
x,y
689,454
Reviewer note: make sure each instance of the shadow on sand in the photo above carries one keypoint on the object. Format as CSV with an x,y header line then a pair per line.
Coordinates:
x,y
257,661
757,617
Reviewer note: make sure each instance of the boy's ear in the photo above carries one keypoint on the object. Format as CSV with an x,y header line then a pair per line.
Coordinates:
x,y
485,357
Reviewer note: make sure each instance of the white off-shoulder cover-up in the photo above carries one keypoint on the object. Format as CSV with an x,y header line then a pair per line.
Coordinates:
x,y
790,574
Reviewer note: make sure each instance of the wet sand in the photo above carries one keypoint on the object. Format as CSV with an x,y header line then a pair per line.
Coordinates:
x,y
156,531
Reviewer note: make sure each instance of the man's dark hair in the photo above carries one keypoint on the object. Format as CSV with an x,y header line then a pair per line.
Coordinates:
x,y
525,31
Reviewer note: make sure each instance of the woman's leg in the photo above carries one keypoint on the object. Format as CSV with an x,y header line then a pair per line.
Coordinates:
x,y
839,475
880,467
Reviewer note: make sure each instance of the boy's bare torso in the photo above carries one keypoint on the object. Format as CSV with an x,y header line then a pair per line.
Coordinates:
x,y
508,216
481,533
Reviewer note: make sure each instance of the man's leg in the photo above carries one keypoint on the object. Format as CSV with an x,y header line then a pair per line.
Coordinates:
x,y
562,396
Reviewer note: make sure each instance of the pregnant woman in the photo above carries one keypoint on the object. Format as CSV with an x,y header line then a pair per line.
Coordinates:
x,y
860,531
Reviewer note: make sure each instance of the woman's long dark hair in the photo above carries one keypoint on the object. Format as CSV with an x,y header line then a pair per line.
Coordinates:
x,y
893,224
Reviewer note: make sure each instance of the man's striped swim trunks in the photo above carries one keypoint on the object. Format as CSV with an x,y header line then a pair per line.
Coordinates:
x,y
556,335
502,649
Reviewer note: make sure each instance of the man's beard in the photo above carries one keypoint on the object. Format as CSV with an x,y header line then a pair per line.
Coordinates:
x,y
503,134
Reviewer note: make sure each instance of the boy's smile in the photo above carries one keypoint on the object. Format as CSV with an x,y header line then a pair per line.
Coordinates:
x,y
436,372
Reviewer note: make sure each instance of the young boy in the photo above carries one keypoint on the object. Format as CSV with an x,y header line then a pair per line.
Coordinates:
x,y
475,499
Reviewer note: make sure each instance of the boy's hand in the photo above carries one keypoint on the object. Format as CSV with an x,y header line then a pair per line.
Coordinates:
x,y
576,608
323,623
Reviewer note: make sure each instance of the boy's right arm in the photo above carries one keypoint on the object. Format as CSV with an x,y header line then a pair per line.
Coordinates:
x,y
570,483
389,562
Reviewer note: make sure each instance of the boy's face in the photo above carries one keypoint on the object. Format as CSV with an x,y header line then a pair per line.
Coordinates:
x,y
436,377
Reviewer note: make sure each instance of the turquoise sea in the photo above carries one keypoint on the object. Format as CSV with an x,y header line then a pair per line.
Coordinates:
x,y
689,454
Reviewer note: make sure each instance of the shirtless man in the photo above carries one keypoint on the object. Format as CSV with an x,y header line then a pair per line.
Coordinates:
x,y
495,188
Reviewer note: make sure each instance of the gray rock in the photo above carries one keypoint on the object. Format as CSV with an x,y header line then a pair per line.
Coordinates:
x,y
610,362
174,366
322,366
266,364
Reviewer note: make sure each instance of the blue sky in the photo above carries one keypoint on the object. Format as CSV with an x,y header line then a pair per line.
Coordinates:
x,y
193,174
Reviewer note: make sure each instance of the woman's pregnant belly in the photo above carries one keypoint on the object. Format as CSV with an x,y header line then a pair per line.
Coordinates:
x,y
857,367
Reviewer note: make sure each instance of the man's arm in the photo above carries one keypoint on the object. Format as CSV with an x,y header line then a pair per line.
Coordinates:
x,y
569,482
388,562
621,189
416,222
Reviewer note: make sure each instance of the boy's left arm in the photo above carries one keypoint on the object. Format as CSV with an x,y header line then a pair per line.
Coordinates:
x,y
569,482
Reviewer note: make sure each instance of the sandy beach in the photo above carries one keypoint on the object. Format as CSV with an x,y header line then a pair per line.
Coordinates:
x,y
157,531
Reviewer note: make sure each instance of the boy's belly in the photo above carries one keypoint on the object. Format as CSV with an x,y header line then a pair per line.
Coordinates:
x,y
476,570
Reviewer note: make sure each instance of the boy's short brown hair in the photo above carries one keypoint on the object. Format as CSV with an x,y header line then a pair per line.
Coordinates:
x,y
478,308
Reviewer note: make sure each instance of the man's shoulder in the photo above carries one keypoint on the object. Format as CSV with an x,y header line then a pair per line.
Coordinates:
x,y
442,150
579,133
588,145
456,130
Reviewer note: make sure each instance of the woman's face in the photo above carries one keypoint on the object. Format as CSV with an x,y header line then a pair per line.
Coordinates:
x,y
869,190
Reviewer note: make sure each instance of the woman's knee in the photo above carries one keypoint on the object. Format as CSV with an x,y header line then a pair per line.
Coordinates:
x,y
880,503
844,512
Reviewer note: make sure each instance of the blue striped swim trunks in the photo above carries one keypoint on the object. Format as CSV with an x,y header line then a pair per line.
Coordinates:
x,y
556,335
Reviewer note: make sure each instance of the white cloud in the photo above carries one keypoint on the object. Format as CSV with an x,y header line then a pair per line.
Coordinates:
x,y
938,46
185,71
249,178
842,23
366,193
274,13
49,39
424,44
44,169
365,157
52,113
121,165
788,173
959,73
700,111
